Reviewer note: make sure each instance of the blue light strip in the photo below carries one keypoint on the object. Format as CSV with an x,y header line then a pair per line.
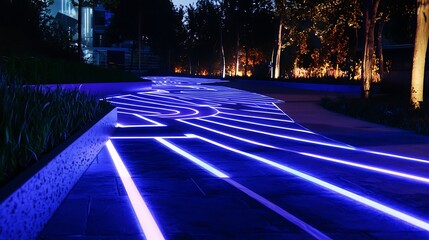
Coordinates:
x,y
288,216
257,117
281,136
368,202
195,160
304,226
266,125
394,156
174,112
228,135
147,222
363,166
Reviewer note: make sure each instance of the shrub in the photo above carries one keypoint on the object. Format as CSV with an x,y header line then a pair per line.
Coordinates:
x,y
35,120
389,110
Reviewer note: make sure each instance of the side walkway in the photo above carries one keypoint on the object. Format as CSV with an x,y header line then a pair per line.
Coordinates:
x,y
303,106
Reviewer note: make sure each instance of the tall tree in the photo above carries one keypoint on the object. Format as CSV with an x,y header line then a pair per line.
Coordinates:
x,y
420,48
221,7
281,7
370,18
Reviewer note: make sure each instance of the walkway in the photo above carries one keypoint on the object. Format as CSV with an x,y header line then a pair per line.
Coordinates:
x,y
214,162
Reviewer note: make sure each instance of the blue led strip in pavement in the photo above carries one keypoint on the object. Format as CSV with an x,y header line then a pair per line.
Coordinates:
x,y
371,203
218,173
363,166
195,160
253,118
280,136
147,222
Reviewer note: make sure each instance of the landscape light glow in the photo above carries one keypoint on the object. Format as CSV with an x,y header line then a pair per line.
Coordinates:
x,y
162,104
363,166
258,117
368,202
266,125
146,137
282,111
182,102
277,209
155,123
133,110
190,157
147,222
394,156
263,112
229,135
280,136
175,112
149,120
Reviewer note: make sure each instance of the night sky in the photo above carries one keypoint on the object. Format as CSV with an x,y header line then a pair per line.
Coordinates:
x,y
183,2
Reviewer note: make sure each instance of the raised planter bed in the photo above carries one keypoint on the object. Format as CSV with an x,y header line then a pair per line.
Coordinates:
x,y
28,201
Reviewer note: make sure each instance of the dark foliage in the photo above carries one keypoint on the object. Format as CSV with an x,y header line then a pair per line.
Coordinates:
x,y
389,110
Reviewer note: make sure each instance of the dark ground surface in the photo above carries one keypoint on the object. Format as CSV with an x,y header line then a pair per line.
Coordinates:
x,y
190,203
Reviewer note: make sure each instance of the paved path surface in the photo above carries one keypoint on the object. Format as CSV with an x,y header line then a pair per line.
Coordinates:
x,y
214,162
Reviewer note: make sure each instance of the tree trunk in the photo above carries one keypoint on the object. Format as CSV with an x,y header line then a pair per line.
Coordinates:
x,y
420,47
368,58
139,41
272,64
279,50
246,65
380,48
79,29
237,60
222,51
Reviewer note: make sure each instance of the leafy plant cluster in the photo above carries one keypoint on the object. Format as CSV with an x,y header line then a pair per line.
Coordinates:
x,y
34,120
33,70
386,110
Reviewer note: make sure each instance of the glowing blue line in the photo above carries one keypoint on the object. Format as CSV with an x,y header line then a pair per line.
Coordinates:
x,y
266,125
149,120
280,136
262,107
264,112
298,222
251,116
195,160
175,112
155,124
182,102
162,104
282,111
229,135
376,169
147,137
394,156
147,222
368,202
137,110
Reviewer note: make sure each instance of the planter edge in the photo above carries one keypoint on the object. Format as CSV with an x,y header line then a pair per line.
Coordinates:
x,y
28,202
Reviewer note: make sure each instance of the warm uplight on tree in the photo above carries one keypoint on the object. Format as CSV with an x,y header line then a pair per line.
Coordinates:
x,y
420,48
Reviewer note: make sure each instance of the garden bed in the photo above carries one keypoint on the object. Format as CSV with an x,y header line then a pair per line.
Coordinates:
x,y
28,201
387,109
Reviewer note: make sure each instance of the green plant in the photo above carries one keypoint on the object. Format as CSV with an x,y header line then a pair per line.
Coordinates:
x,y
36,119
